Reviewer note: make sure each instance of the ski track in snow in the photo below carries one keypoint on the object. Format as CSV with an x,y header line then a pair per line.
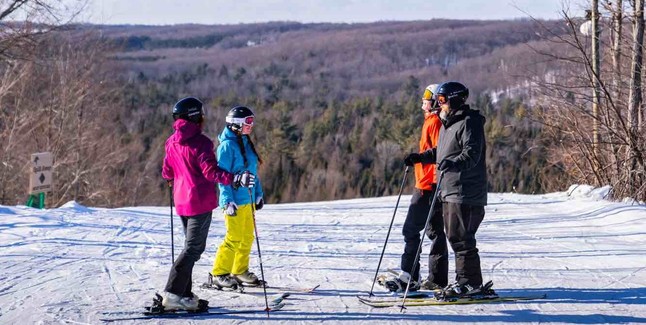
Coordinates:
x,y
69,265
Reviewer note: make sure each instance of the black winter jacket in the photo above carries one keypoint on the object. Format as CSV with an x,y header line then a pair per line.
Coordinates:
x,y
462,140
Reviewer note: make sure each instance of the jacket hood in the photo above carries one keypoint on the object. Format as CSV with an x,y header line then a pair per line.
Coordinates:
x,y
462,113
227,134
185,130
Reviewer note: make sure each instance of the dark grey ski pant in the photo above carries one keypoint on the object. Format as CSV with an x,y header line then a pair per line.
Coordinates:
x,y
438,258
462,222
196,230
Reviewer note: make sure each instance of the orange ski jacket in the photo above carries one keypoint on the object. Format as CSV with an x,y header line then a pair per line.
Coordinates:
x,y
425,177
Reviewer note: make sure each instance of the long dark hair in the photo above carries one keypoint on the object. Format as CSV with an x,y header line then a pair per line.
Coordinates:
x,y
253,148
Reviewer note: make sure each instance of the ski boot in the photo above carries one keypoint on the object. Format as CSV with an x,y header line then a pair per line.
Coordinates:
x,y
248,279
398,283
457,291
221,282
172,301
427,284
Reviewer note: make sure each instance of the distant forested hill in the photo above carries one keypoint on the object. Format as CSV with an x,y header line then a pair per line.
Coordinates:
x,y
347,60
337,105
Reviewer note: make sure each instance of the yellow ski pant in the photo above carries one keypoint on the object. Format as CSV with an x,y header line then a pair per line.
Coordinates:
x,y
232,256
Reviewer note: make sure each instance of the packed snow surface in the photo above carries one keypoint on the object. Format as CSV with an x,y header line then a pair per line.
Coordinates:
x,y
71,264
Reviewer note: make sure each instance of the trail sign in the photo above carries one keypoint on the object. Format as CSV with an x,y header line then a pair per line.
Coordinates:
x,y
40,180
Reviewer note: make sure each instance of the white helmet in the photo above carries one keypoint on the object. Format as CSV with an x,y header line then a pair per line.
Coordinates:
x,y
429,94
430,91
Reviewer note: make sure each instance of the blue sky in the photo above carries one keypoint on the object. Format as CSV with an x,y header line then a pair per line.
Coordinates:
x,y
162,12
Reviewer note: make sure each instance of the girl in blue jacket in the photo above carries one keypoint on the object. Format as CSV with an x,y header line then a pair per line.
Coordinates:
x,y
237,154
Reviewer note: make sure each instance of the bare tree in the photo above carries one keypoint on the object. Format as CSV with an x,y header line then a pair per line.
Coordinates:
x,y
633,154
573,146
596,73
616,41
64,99
11,122
617,28
23,21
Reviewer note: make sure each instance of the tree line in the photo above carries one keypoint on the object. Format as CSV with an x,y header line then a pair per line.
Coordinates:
x,y
328,126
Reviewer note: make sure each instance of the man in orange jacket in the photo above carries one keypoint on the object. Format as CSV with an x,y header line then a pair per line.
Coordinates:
x,y
425,187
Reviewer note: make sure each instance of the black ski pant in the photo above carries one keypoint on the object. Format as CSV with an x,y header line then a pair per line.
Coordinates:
x,y
196,230
438,258
462,222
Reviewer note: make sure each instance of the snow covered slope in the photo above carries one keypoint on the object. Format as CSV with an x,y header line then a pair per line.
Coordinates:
x,y
70,264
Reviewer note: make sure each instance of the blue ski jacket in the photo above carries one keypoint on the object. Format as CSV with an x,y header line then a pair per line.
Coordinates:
x,y
230,159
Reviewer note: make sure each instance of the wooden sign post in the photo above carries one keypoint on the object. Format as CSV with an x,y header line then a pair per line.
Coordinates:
x,y
40,179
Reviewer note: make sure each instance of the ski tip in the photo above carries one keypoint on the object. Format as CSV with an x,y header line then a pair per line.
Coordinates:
x,y
276,307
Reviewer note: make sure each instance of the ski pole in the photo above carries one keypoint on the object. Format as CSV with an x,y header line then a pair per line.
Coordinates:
x,y
419,248
401,189
262,272
172,236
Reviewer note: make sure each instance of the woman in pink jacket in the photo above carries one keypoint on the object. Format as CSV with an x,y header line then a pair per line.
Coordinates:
x,y
192,170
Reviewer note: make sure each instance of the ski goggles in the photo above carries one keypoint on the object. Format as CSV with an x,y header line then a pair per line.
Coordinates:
x,y
241,120
427,95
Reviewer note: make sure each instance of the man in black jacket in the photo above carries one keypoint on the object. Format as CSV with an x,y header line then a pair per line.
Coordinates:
x,y
463,188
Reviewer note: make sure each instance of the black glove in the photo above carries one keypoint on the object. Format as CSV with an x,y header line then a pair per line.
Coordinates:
x,y
447,165
244,179
412,159
260,204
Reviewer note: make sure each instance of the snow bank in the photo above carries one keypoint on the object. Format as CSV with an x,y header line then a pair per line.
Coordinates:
x,y
73,205
579,191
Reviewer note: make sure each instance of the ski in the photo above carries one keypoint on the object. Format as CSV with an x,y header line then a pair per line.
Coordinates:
x,y
186,314
287,289
148,308
156,310
273,298
384,303
411,294
241,288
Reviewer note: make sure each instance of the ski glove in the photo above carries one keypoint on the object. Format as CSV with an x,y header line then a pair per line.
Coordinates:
x,y
244,179
448,165
260,203
412,159
230,209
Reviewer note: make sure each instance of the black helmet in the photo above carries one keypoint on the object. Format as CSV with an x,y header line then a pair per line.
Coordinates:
x,y
190,109
454,92
239,116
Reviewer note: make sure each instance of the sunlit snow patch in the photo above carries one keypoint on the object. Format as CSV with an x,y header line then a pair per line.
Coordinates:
x,y
73,205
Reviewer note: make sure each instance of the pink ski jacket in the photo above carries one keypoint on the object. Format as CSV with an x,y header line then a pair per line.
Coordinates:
x,y
190,163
